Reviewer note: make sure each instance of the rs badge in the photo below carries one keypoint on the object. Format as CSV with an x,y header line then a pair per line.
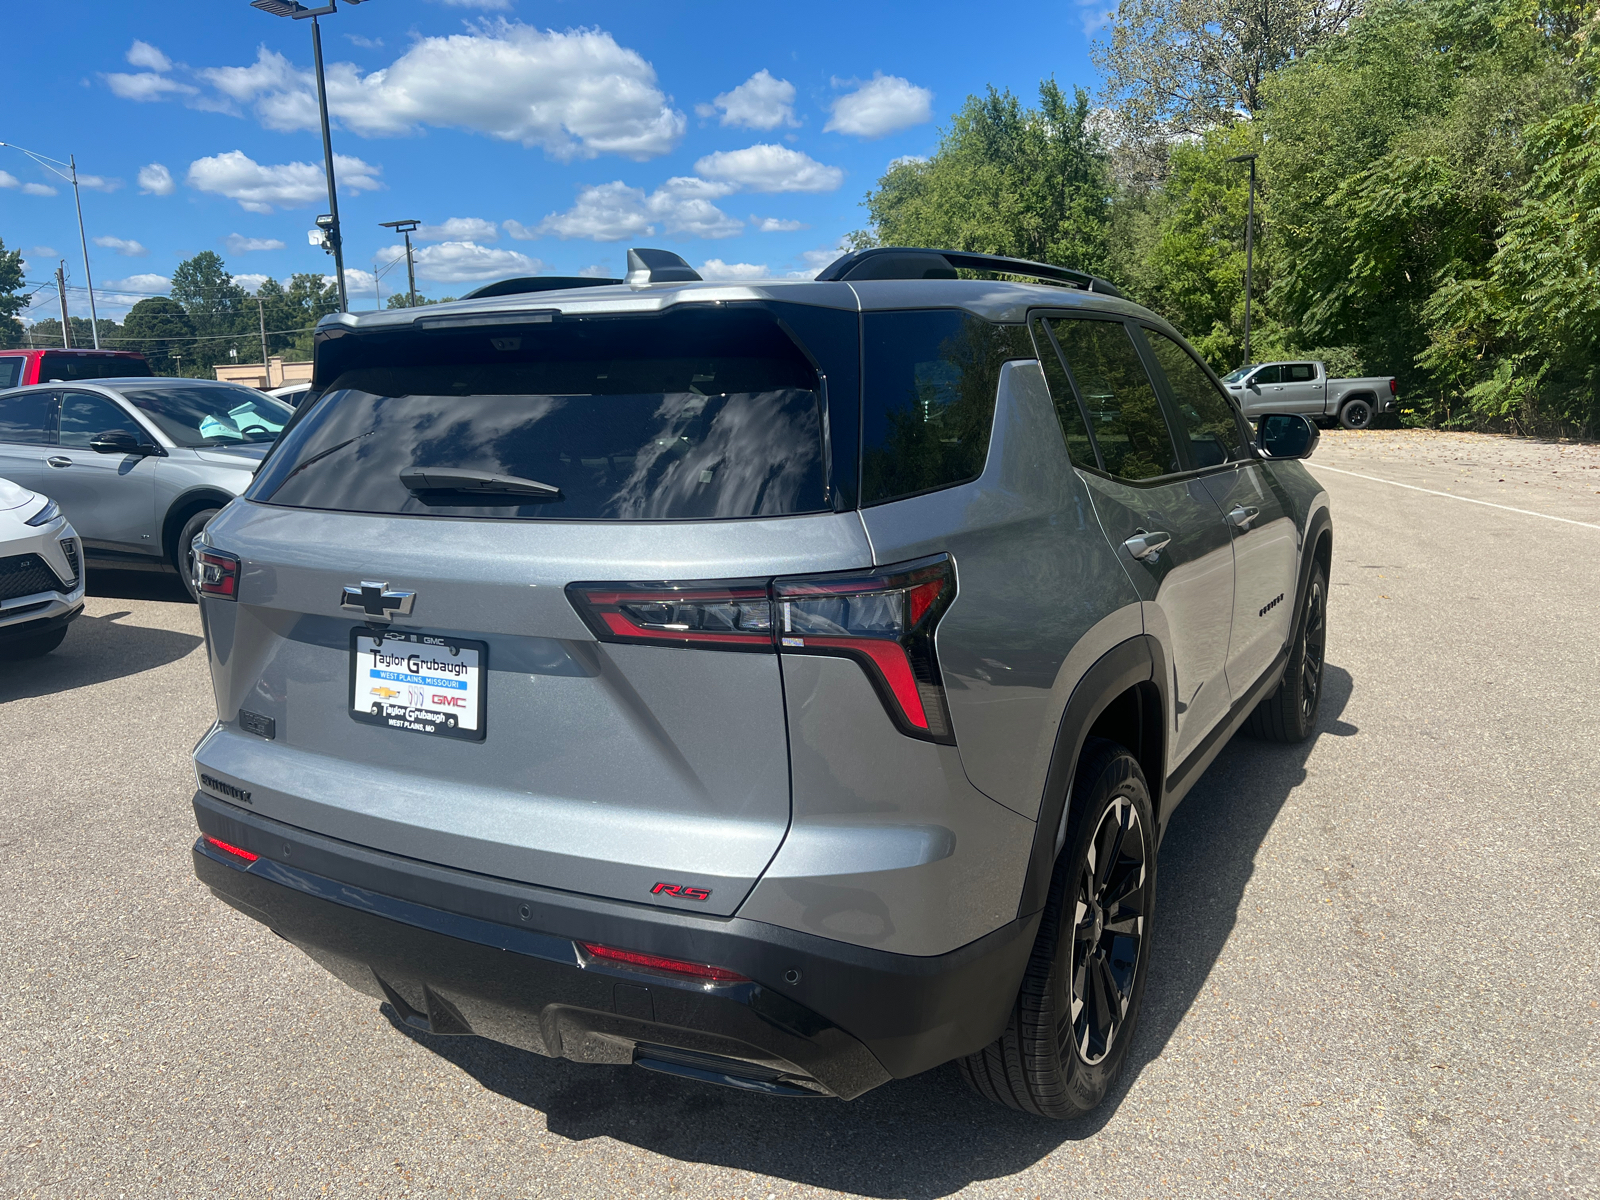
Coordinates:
x,y
682,891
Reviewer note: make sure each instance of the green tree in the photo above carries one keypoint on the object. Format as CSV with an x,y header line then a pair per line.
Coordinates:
x,y
12,299
1026,182
217,307
158,327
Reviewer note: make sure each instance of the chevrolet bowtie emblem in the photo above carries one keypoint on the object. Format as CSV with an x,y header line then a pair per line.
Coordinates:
x,y
377,601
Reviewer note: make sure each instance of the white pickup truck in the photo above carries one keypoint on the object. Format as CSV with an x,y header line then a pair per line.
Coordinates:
x,y
1304,387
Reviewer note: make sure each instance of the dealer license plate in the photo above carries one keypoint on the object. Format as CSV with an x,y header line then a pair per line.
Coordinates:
x,y
418,682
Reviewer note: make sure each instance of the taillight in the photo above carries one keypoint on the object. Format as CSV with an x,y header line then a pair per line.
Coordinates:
x,y
672,966
1394,388
884,619
230,849
216,573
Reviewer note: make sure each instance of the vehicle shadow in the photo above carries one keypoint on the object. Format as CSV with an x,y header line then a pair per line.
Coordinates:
x,y
96,649
929,1136
137,585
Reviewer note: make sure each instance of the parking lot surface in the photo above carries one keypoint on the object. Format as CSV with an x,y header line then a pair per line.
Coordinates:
x,y
1376,967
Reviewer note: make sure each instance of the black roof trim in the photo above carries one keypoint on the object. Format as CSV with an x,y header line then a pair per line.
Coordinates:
x,y
915,262
536,283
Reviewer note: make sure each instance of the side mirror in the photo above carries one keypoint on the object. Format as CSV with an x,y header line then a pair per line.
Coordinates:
x,y
119,441
1287,435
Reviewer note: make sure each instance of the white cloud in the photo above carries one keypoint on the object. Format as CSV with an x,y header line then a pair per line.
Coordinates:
x,y
815,260
147,86
463,262
598,270
760,102
880,106
149,283
776,224
1096,15
715,268
237,243
495,5
357,284
289,185
99,183
609,212
765,167
38,189
523,233
143,54
41,252
8,180
458,229
575,94
250,281
365,43
123,246
156,180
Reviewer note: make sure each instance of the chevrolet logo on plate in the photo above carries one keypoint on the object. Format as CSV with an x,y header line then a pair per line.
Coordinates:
x,y
377,601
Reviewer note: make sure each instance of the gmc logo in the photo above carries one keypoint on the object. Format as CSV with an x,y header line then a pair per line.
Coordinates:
x,y
682,891
449,701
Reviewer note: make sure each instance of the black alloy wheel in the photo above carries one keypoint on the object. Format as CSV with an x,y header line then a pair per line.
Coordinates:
x,y
1290,713
1313,644
1356,414
1075,1013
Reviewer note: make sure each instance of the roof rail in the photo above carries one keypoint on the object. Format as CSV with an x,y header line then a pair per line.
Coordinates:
x,y
911,262
535,283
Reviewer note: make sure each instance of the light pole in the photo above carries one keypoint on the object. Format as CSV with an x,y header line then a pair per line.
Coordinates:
x,y
406,227
299,12
1249,247
71,164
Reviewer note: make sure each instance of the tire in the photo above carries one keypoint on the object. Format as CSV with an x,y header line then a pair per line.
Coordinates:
x,y
183,552
1356,414
1067,1039
36,646
1290,713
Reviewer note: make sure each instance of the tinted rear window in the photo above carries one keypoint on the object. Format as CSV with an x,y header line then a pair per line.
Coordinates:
x,y
695,414
25,418
928,396
10,371
67,368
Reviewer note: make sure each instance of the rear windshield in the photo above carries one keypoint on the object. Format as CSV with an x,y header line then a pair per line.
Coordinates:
x,y
704,413
66,368
211,414
10,370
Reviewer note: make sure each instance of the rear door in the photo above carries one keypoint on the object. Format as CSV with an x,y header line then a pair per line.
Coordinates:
x,y
25,420
1143,486
109,498
1302,390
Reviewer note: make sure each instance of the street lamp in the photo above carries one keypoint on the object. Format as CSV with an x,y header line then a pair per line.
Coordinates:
x,y
299,12
1249,247
72,166
406,227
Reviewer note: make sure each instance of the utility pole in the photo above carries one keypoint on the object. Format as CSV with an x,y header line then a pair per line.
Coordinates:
x,y
1249,247
45,161
334,239
406,227
261,314
61,293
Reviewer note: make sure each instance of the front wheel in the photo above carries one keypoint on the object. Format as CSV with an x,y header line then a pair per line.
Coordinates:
x,y
183,552
1074,1018
1357,414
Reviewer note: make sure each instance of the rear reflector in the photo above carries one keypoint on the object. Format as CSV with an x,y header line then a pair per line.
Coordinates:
x,y
227,849
217,574
654,962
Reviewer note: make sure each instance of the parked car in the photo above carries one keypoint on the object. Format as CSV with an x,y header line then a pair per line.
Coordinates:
x,y
19,368
137,465
292,394
782,685
41,576
1304,387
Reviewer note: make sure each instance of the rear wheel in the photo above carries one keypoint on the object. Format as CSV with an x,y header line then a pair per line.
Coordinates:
x,y
1075,1014
36,646
1356,414
1290,713
183,552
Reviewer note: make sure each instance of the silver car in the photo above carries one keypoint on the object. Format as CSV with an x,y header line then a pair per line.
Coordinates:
x,y
137,465
41,575
782,685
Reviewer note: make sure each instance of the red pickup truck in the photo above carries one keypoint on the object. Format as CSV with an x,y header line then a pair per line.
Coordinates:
x,y
18,368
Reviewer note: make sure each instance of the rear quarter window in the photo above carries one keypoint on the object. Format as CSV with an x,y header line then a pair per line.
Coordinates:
x,y
928,397
10,371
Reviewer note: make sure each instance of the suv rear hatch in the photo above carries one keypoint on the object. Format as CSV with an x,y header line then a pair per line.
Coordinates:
x,y
403,668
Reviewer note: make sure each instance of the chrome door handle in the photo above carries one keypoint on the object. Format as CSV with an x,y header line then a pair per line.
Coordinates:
x,y
1144,545
1242,516
59,460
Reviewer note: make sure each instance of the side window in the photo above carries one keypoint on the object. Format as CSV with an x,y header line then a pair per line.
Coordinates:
x,y
1128,426
1207,417
1272,374
928,397
85,416
1300,373
1079,448
25,418
10,370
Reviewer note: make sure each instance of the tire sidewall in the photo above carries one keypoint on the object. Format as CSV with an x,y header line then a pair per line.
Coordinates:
x,y
183,552
1348,413
1295,677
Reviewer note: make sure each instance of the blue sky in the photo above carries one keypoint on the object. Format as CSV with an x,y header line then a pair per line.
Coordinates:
x,y
529,136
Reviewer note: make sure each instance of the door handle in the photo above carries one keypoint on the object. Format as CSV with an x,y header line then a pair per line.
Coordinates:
x,y
1242,516
1145,546
59,460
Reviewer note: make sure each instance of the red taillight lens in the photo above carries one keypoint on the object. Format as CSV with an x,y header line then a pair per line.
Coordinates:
x,y
217,574
227,849
726,615
1394,388
885,620
654,962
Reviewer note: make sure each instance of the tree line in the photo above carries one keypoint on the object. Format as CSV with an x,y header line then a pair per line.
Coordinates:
x,y
1428,191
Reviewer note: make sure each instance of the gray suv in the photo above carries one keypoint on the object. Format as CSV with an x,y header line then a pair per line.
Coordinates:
x,y
782,685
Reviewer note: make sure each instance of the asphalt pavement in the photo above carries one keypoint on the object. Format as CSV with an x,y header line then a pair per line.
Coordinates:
x,y
1376,969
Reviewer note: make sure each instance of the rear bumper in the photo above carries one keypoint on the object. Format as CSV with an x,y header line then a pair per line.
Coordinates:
x,y
455,952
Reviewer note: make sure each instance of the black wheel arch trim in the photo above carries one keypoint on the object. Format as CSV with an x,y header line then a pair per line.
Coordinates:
x,y
184,506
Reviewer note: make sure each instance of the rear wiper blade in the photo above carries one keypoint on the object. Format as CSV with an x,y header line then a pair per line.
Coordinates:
x,y
457,479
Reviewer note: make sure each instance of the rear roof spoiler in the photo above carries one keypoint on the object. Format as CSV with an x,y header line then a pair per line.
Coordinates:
x,y
910,262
